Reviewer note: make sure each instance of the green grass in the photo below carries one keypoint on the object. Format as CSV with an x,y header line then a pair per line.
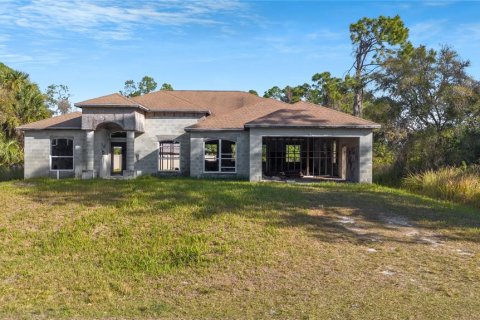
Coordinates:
x,y
185,248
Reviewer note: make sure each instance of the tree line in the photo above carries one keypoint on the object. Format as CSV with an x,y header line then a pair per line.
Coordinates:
x,y
425,100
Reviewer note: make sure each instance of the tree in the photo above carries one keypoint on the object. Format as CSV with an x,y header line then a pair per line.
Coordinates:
x,y
58,98
430,104
254,92
166,86
372,40
288,94
20,101
432,87
10,152
144,86
332,92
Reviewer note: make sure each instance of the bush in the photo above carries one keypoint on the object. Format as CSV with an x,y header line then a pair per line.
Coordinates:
x,y
11,173
458,184
389,175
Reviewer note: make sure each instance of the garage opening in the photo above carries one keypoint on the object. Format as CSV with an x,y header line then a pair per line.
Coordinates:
x,y
297,157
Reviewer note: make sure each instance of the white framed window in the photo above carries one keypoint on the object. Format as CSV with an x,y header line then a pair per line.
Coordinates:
x,y
61,154
169,156
220,156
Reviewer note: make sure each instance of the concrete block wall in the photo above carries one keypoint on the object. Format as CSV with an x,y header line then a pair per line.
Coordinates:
x,y
365,158
127,118
101,153
158,129
362,138
351,145
37,152
241,139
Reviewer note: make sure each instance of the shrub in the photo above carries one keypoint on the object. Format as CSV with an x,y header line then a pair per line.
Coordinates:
x,y
11,173
458,184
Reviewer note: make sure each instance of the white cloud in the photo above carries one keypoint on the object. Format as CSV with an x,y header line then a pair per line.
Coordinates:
x,y
427,30
107,20
441,3
326,34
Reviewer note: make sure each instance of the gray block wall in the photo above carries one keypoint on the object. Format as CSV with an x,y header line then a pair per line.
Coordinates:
x,y
125,117
363,136
158,129
197,140
101,153
37,152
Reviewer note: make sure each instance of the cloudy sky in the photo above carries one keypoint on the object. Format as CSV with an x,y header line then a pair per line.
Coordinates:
x,y
94,46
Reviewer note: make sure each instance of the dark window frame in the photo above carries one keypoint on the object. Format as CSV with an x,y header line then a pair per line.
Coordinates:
x,y
170,156
54,143
221,156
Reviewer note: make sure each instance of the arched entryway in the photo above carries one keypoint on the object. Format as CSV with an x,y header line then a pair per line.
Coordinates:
x,y
113,150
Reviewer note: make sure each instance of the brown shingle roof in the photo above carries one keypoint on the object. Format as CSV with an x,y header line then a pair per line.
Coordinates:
x,y
213,102
114,99
273,113
218,102
67,121
307,114
167,101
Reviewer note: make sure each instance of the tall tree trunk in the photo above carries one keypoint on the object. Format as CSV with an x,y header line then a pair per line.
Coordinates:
x,y
358,102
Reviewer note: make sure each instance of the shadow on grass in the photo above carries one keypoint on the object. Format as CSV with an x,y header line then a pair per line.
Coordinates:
x,y
276,204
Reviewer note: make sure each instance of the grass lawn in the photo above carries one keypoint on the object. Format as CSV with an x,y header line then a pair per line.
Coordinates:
x,y
184,248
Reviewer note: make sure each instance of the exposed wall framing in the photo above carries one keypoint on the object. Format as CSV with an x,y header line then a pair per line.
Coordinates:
x,y
300,156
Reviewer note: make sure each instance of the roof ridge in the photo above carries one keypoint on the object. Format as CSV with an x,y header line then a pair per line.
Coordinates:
x,y
180,98
207,90
336,111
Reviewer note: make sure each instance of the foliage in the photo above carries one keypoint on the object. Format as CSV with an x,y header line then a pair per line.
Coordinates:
x,y
332,92
166,86
20,101
373,39
251,91
146,85
11,173
288,94
324,89
458,184
432,87
11,152
428,110
58,98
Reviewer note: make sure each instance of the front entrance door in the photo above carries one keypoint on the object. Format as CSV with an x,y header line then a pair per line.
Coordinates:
x,y
118,152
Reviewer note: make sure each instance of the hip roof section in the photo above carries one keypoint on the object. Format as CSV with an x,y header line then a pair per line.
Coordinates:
x,y
227,110
67,121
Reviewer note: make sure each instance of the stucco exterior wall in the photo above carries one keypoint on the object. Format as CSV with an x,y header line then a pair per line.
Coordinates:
x,y
161,128
197,140
364,137
37,153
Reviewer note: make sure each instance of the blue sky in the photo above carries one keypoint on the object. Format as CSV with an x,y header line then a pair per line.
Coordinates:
x,y
94,46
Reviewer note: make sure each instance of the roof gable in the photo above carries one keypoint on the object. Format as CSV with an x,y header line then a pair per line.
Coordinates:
x,y
114,99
